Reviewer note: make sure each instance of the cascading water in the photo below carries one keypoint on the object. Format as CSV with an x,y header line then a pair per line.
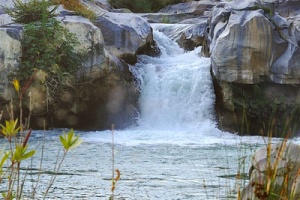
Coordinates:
x,y
175,152
176,88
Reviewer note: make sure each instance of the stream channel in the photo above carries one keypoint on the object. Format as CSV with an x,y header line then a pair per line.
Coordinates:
x,y
175,153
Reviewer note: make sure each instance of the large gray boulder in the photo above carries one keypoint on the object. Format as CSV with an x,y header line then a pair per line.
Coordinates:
x,y
274,173
249,42
10,52
254,49
125,35
104,92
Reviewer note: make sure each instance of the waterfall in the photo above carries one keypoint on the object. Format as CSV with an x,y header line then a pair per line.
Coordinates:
x,y
176,88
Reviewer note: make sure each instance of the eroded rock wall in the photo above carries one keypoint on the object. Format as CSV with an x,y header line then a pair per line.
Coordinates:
x,y
104,92
254,46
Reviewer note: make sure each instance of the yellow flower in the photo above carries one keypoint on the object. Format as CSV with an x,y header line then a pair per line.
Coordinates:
x,y
16,85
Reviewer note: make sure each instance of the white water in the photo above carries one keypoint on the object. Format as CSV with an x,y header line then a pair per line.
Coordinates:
x,y
176,101
176,151
176,88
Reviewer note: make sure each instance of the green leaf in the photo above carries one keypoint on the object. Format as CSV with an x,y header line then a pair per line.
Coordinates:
x,y
4,158
70,140
28,155
21,153
10,129
63,141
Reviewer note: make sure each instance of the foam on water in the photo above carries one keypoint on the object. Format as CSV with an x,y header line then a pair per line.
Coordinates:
x,y
176,100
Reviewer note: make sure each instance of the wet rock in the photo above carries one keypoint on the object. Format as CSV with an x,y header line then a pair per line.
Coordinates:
x,y
188,36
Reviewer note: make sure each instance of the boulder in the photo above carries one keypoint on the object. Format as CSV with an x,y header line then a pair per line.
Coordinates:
x,y
249,41
91,42
104,92
193,7
274,173
125,35
253,46
188,36
10,52
178,13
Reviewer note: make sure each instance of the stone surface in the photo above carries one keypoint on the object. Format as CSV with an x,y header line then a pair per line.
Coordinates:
x,y
278,163
105,92
125,34
249,42
10,52
187,35
193,7
254,44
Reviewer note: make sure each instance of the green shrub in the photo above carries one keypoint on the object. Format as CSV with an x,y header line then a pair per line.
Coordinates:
x,y
31,11
49,47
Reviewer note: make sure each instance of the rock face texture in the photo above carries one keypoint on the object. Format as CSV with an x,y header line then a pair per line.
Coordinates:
x,y
187,22
104,93
278,166
125,34
254,47
10,52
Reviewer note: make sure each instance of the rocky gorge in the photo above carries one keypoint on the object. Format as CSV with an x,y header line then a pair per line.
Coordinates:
x,y
253,47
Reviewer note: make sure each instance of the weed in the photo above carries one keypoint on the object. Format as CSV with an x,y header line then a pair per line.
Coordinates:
x,y
18,150
78,7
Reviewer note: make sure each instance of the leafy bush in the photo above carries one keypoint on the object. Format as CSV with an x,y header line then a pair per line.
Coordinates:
x,y
31,11
49,47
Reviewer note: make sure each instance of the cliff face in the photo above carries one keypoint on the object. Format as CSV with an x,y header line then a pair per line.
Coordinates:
x,y
105,91
254,50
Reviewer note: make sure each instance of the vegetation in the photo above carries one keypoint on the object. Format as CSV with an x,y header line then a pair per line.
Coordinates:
x,y
49,47
76,6
31,11
49,58
275,175
143,6
18,151
263,113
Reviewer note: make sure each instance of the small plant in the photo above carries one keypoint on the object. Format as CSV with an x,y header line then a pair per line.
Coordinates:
x,y
49,47
165,19
18,150
48,58
114,179
69,141
31,11
78,7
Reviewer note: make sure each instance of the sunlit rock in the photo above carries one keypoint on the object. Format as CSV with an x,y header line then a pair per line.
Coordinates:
x,y
10,52
249,42
274,172
193,7
188,36
254,46
125,34
84,104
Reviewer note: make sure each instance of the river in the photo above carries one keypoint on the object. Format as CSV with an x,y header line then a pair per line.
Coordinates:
x,y
175,153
